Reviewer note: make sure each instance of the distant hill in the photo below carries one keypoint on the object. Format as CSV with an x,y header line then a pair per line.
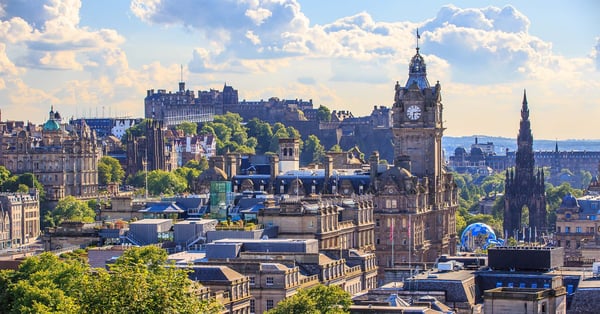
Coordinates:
x,y
450,143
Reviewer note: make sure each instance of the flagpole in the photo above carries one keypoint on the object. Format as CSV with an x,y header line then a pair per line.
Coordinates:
x,y
392,236
409,247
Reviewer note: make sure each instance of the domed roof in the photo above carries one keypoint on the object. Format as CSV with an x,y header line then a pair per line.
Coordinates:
x,y
51,125
213,174
569,201
399,176
417,72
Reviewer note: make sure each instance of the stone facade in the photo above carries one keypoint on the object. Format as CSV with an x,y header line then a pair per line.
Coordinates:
x,y
415,201
65,161
229,288
150,151
578,226
524,187
19,219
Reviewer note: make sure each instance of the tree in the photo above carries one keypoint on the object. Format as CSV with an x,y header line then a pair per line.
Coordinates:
x,y
324,114
70,208
188,128
166,183
15,183
135,131
140,281
110,170
281,131
200,165
336,148
45,284
262,132
318,299
313,151
4,174
190,175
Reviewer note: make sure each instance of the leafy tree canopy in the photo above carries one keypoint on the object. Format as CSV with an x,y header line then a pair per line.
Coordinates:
x,y
315,300
188,128
324,114
110,170
141,281
70,208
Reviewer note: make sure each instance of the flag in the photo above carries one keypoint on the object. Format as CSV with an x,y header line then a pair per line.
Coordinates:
x,y
418,36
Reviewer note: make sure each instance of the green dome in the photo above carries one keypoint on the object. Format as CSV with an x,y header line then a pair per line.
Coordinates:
x,y
51,125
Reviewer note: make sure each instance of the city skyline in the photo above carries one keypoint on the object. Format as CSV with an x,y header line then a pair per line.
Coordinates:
x,y
98,58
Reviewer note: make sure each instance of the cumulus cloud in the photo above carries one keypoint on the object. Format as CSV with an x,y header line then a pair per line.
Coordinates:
x,y
244,24
481,45
50,33
485,45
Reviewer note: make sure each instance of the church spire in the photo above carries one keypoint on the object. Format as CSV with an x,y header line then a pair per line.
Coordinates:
x,y
525,108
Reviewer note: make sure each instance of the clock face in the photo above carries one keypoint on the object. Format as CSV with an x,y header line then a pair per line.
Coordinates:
x,y
413,112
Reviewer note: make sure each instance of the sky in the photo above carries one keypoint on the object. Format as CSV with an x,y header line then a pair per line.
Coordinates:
x,y
98,58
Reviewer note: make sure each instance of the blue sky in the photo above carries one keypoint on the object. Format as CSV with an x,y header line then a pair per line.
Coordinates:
x,y
98,58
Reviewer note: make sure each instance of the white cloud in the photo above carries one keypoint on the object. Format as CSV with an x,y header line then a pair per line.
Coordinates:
x,y
259,15
50,34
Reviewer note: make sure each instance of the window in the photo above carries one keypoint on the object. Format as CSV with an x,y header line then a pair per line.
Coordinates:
x,y
578,229
269,281
377,222
252,306
568,244
567,229
558,229
252,280
269,304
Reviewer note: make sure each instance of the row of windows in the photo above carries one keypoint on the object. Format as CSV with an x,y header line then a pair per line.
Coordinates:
x,y
577,229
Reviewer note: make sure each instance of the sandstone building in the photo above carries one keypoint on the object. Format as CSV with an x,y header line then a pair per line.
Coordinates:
x,y
19,219
64,160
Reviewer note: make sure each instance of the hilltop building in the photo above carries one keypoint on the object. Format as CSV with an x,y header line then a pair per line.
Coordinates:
x,y
524,187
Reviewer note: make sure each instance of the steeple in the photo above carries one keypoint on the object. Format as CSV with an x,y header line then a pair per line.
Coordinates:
x,y
525,108
526,188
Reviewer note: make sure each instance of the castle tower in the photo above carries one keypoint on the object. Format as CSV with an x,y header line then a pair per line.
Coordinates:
x,y
289,154
524,187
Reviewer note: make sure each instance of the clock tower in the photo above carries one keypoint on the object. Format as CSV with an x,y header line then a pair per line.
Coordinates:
x,y
417,122
415,199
